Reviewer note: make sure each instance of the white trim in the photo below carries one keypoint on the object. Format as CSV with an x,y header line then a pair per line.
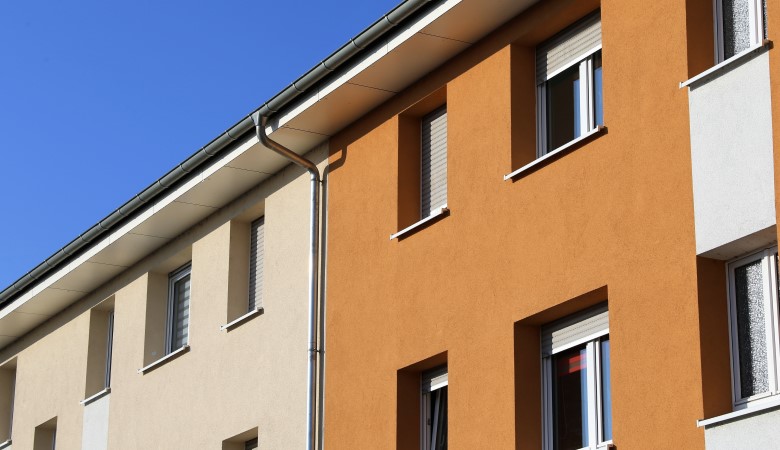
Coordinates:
x,y
723,65
94,397
754,408
573,63
233,323
5,444
537,161
173,278
164,359
436,213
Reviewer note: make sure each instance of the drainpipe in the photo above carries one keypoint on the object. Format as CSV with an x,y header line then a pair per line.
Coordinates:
x,y
314,233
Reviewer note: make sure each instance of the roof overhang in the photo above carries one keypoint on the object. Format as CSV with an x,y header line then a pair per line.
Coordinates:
x,y
369,79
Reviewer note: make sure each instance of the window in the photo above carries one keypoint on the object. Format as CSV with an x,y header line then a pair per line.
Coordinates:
x,y
433,167
99,347
434,409
178,308
576,377
753,292
256,256
250,444
46,435
7,387
739,25
569,85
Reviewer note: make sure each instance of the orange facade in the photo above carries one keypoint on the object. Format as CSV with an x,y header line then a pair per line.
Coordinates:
x,y
610,220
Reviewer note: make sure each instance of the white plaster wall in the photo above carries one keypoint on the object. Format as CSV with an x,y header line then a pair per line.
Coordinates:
x,y
752,432
95,434
731,152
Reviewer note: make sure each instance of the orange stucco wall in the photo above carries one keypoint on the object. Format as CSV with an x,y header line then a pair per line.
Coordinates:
x,y
612,218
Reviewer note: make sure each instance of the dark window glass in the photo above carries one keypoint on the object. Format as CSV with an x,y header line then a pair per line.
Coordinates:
x,y
570,399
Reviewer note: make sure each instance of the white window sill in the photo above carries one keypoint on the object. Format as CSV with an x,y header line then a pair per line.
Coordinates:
x,y
599,129
94,397
234,323
170,356
750,410
717,68
434,215
5,444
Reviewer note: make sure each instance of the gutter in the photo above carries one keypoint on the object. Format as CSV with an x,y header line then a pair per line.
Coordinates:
x,y
314,253
206,154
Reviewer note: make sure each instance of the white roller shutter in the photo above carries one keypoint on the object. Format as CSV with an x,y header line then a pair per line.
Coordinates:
x,y
256,256
433,188
574,330
434,379
568,47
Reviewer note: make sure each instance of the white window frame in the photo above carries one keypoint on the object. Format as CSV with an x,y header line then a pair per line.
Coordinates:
x,y
109,349
769,269
756,25
425,410
173,278
587,112
594,386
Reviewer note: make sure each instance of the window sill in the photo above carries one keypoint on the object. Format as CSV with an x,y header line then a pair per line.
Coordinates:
x,y
97,396
5,444
598,130
169,357
434,216
764,406
234,323
722,66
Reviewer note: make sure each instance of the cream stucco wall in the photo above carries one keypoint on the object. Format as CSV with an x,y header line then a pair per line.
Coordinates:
x,y
228,382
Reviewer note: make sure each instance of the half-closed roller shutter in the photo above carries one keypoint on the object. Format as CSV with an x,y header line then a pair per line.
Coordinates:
x,y
181,309
433,187
575,330
568,47
434,379
256,256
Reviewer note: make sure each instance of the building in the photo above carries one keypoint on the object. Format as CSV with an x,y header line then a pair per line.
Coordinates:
x,y
546,224
182,326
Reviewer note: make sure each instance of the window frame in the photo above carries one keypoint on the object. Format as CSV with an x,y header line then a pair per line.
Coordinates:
x,y
174,277
429,117
771,332
594,385
756,23
425,410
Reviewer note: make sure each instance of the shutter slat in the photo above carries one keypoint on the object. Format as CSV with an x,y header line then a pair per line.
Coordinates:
x,y
434,379
568,47
433,188
256,258
574,329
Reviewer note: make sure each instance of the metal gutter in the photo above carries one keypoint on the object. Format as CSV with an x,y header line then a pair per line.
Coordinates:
x,y
314,254
205,155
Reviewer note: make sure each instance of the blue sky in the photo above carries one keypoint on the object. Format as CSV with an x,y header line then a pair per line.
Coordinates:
x,y
98,99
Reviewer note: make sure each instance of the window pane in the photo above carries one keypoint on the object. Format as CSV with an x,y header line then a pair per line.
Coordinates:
x,y
606,390
181,313
736,26
753,364
598,103
563,106
438,419
570,399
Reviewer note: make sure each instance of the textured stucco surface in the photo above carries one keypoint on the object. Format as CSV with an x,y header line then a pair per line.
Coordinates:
x,y
732,157
758,431
228,383
615,213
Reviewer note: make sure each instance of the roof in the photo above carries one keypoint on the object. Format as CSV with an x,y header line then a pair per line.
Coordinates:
x,y
402,46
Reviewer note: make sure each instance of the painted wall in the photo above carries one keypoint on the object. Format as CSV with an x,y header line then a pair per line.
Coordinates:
x,y
732,154
228,382
612,219
750,432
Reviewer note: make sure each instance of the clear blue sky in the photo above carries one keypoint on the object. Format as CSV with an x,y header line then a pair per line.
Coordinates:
x,y
98,99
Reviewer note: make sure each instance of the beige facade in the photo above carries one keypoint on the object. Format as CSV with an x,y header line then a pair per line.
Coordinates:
x,y
226,386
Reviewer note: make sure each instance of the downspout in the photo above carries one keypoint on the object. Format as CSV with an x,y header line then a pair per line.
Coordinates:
x,y
314,244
